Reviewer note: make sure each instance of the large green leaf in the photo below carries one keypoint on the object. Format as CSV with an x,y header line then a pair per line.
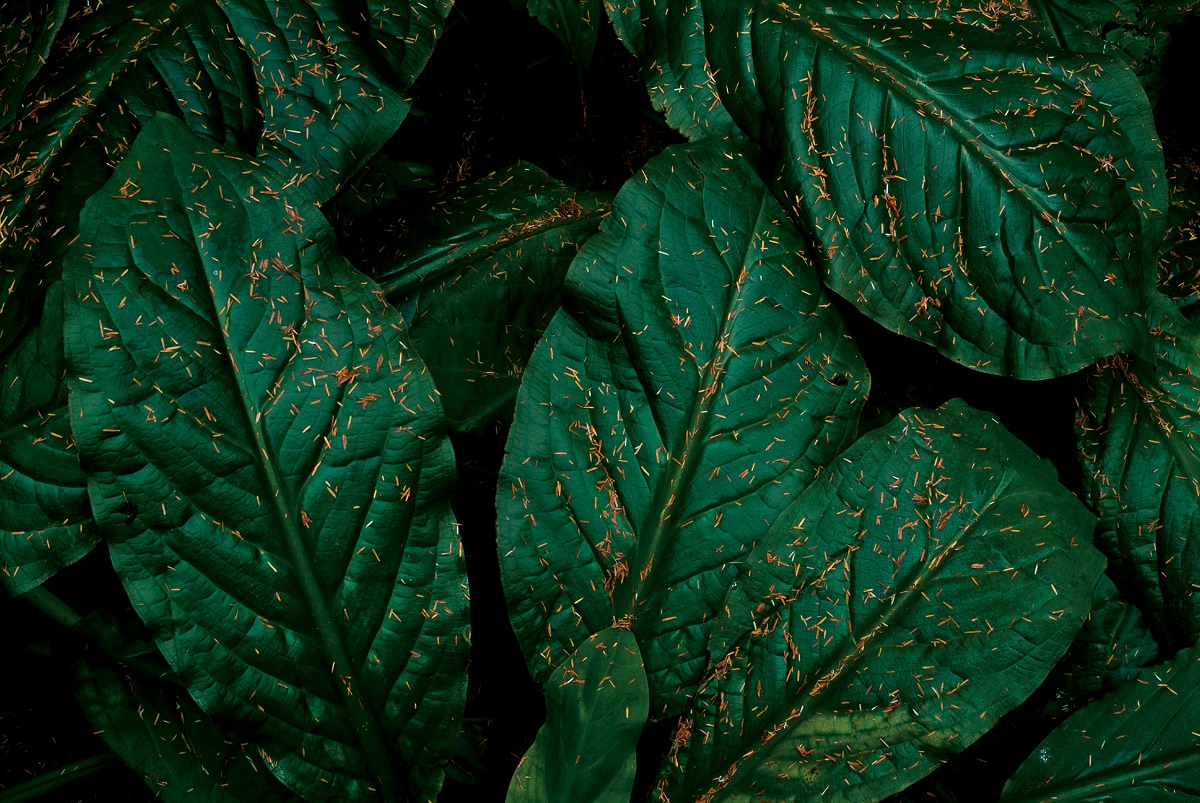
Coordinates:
x,y
270,465
1137,744
480,281
915,593
668,37
696,379
972,185
45,517
1141,459
27,30
596,705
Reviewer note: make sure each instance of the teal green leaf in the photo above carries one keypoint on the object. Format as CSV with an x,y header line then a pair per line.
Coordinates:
x,y
920,589
970,184
1113,645
1179,265
270,465
667,36
147,718
596,704
480,281
45,516
575,22
696,379
1141,463
27,30
1137,744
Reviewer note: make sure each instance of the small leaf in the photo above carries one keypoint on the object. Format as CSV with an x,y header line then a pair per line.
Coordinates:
x,y
1139,743
270,465
696,379
480,281
919,590
971,186
668,38
596,705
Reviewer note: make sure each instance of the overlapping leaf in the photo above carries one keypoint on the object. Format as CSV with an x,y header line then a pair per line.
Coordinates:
x,y
971,185
480,279
27,30
1137,744
1138,445
919,590
694,382
668,37
575,22
270,465
1179,265
45,517
596,706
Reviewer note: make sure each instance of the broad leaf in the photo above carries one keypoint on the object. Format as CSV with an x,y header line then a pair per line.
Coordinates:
x,y
27,30
971,185
575,22
1114,645
694,382
668,37
1179,265
269,462
45,517
480,281
1137,744
1141,459
147,718
910,597
596,705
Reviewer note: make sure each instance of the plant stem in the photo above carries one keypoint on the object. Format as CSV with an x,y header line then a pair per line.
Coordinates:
x,y
53,780
49,604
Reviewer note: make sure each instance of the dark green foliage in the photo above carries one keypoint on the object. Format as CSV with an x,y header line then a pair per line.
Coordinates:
x,y
731,534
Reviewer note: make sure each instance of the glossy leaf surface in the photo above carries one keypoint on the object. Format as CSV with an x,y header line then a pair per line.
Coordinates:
x,y
480,281
1137,744
668,37
920,589
575,22
694,382
270,465
596,705
971,185
1141,461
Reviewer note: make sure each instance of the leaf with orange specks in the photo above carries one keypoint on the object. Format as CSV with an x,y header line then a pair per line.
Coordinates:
x,y
1136,745
695,380
271,469
970,184
919,590
576,23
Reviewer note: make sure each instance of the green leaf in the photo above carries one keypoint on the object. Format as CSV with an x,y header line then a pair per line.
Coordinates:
x,y
1137,744
147,718
972,186
596,705
1179,265
575,22
667,36
45,517
27,30
919,590
694,382
1141,463
480,281
1114,644
270,465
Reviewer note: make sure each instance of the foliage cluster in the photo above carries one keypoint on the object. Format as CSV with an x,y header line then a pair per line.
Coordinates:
x,y
266,358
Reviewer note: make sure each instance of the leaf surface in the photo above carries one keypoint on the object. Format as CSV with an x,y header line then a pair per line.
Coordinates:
x,y
1139,743
695,380
971,185
668,37
270,465
596,705
480,281
920,589
45,516
575,22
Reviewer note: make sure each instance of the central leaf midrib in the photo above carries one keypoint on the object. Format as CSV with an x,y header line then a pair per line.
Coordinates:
x,y
329,633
